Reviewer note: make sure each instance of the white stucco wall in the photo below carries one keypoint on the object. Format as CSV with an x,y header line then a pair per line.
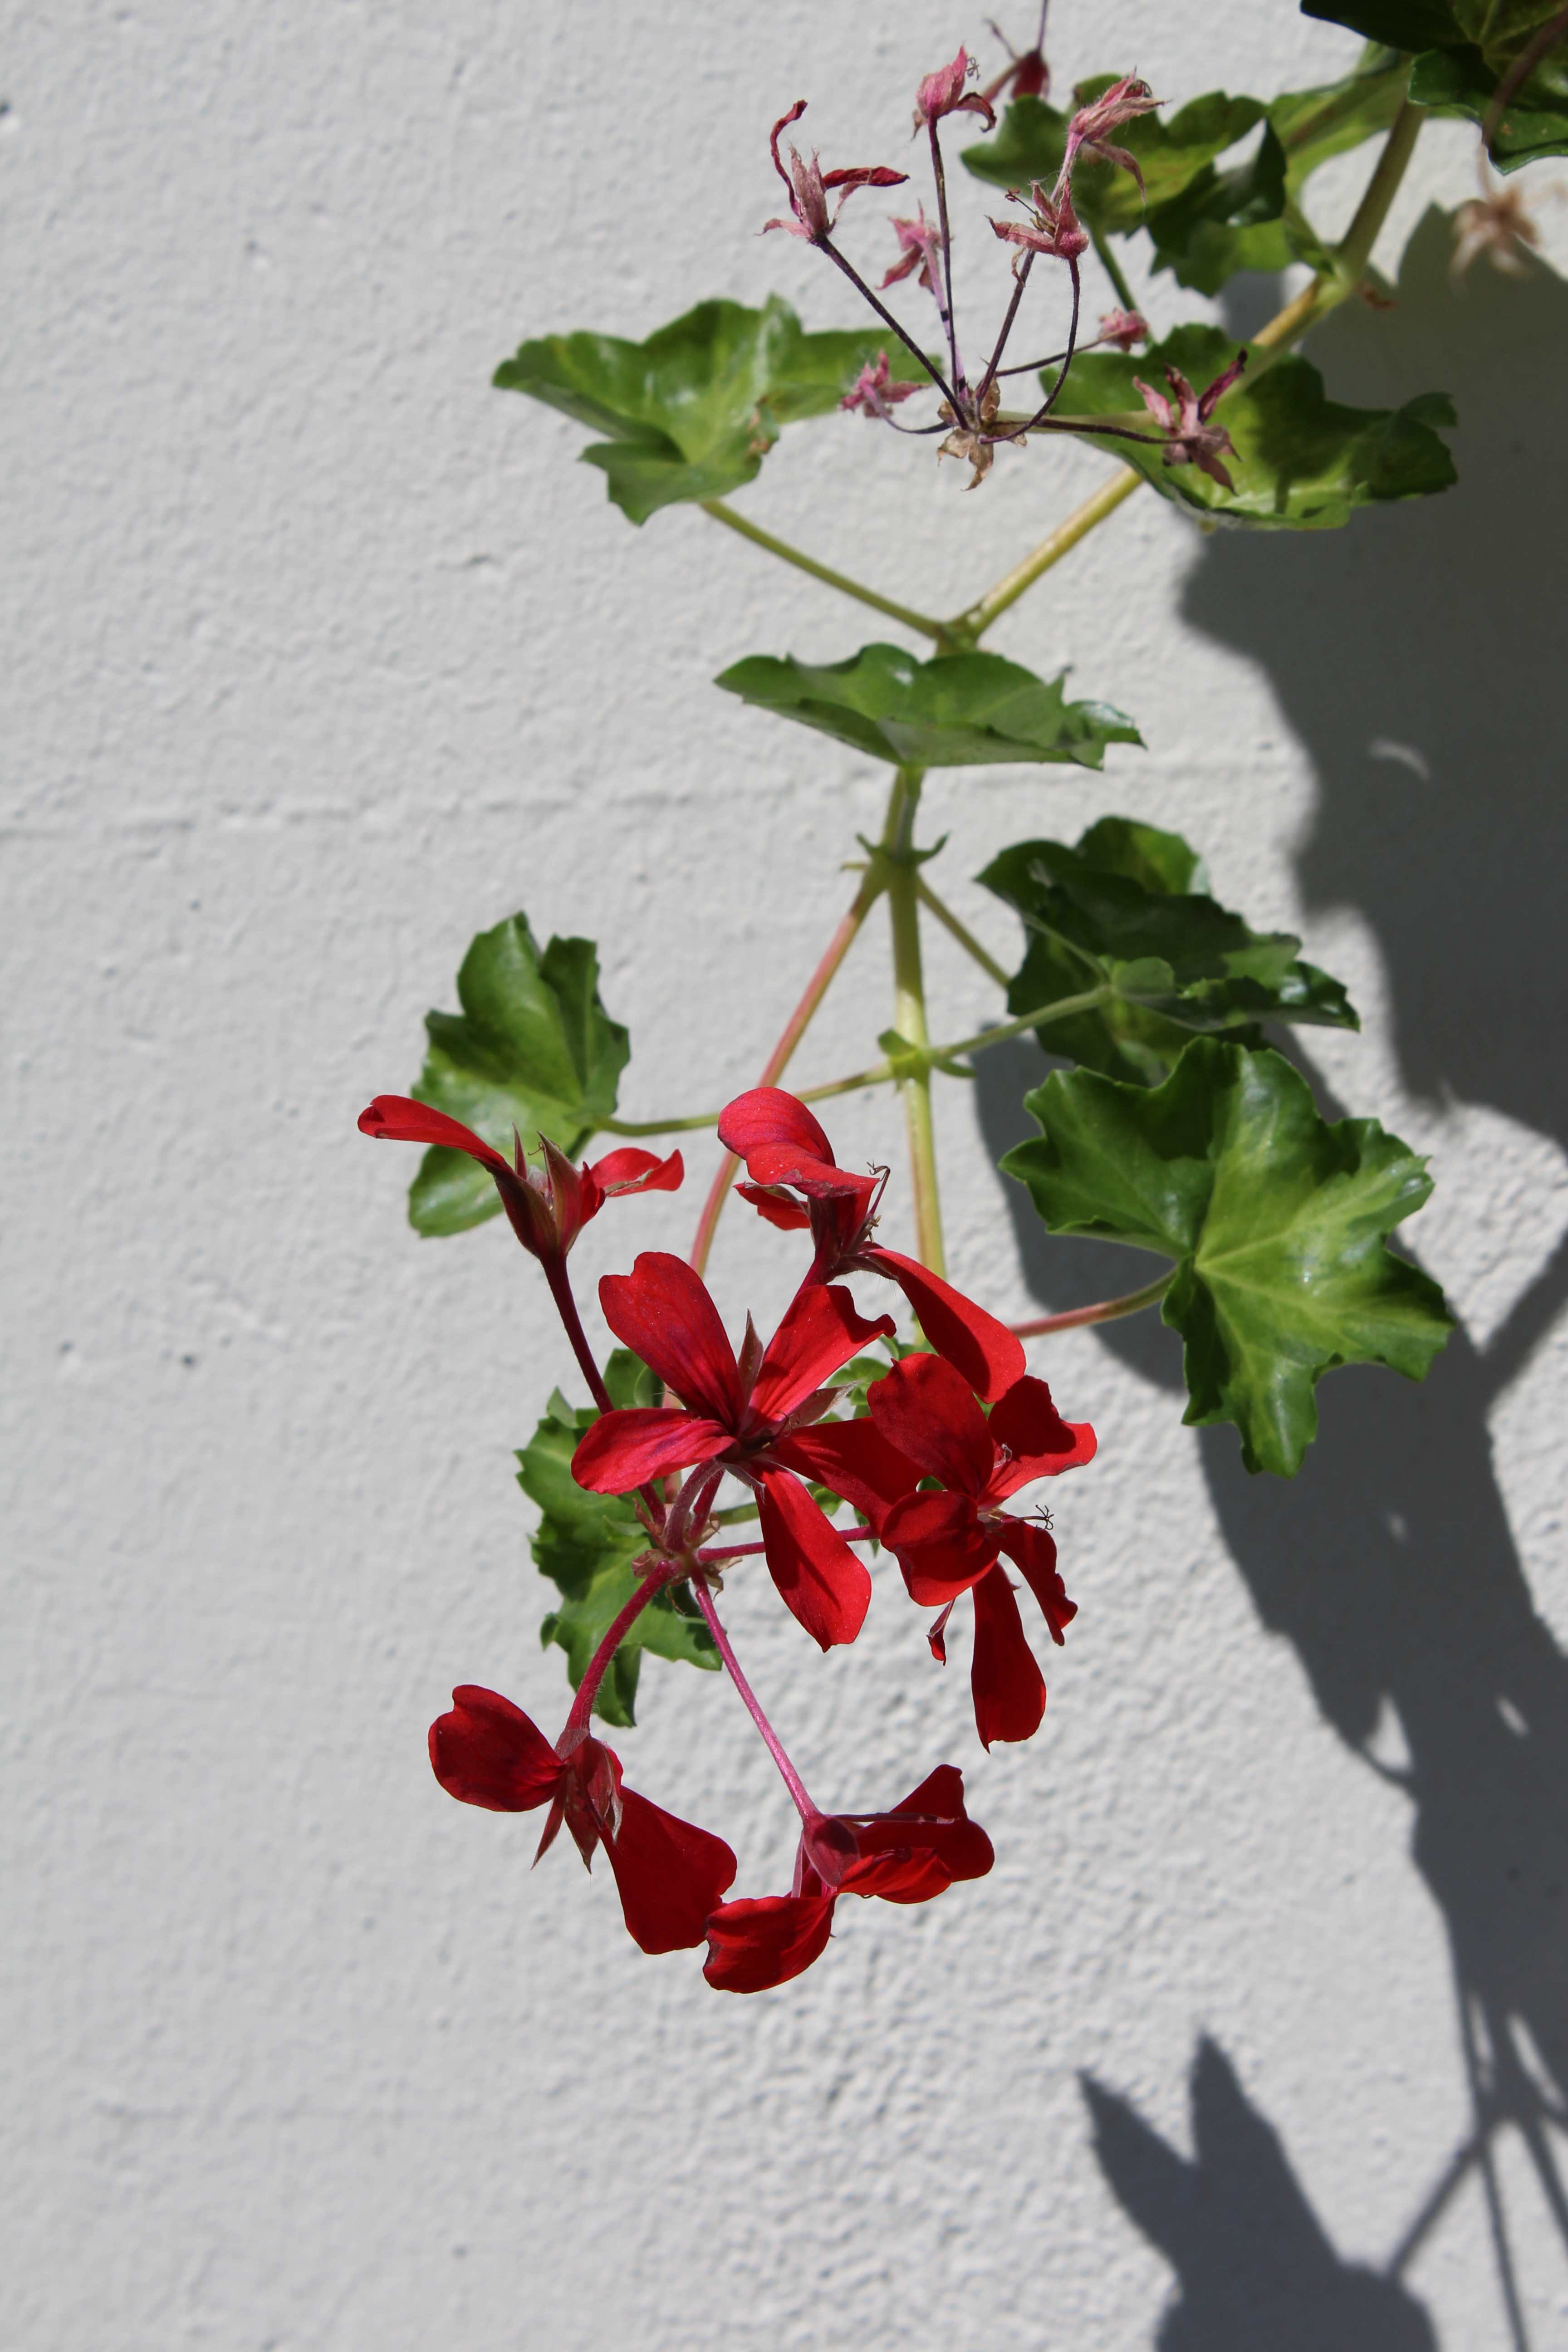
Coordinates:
x,y
322,656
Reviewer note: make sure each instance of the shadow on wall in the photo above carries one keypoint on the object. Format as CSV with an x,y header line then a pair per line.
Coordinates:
x,y
1418,656
1255,2267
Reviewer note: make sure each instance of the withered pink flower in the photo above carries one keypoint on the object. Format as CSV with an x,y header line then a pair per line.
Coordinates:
x,y
943,93
918,238
874,393
1124,328
1053,227
1028,75
806,185
1499,225
1088,132
1185,419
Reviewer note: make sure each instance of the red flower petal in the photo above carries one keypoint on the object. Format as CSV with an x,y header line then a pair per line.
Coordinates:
x,y
1008,1686
990,1357
855,1460
777,1207
922,1846
928,1410
638,1171
820,1332
487,1752
781,1143
818,1577
624,1449
669,1872
769,1115
395,1118
662,1311
1034,1549
1043,1443
765,1941
941,1545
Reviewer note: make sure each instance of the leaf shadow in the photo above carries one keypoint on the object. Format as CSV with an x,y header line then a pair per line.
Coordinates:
x,y
1254,2264
1414,655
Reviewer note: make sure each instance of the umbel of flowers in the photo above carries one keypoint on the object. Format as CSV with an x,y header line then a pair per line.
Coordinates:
x,y
926,1471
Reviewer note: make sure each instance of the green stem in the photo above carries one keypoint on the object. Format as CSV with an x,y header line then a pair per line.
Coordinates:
x,y
659,1126
882,1074
909,1021
1329,287
965,938
1113,270
919,622
974,622
1110,1310
1062,1010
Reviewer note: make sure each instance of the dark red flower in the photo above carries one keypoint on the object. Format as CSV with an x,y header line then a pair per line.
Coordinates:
x,y
752,1414
945,92
1028,75
786,1152
669,1874
547,1208
950,1542
909,1856
806,185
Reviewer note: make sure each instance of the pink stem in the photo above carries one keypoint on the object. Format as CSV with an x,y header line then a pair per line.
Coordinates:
x,y
598,1665
1106,1311
560,1282
796,1027
745,1552
791,1777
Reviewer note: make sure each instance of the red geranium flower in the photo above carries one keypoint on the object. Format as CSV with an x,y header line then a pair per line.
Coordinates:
x,y
752,1415
547,1209
905,1856
668,1873
784,1147
950,1543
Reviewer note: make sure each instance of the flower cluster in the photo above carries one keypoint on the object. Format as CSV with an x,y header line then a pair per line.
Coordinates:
x,y
1047,228
951,1432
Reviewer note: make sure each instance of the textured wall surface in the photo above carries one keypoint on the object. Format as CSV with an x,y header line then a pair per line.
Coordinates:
x,y
322,656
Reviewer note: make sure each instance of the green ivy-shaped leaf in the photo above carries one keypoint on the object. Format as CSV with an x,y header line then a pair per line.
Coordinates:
x,y
1120,911
586,1544
1499,29
692,411
958,710
1458,85
532,1048
1032,140
1224,222
1276,1222
1302,462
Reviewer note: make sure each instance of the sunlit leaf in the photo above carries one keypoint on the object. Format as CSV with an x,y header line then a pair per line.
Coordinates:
x,y
1276,1223
1120,911
692,411
532,1048
1459,84
958,710
1302,462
